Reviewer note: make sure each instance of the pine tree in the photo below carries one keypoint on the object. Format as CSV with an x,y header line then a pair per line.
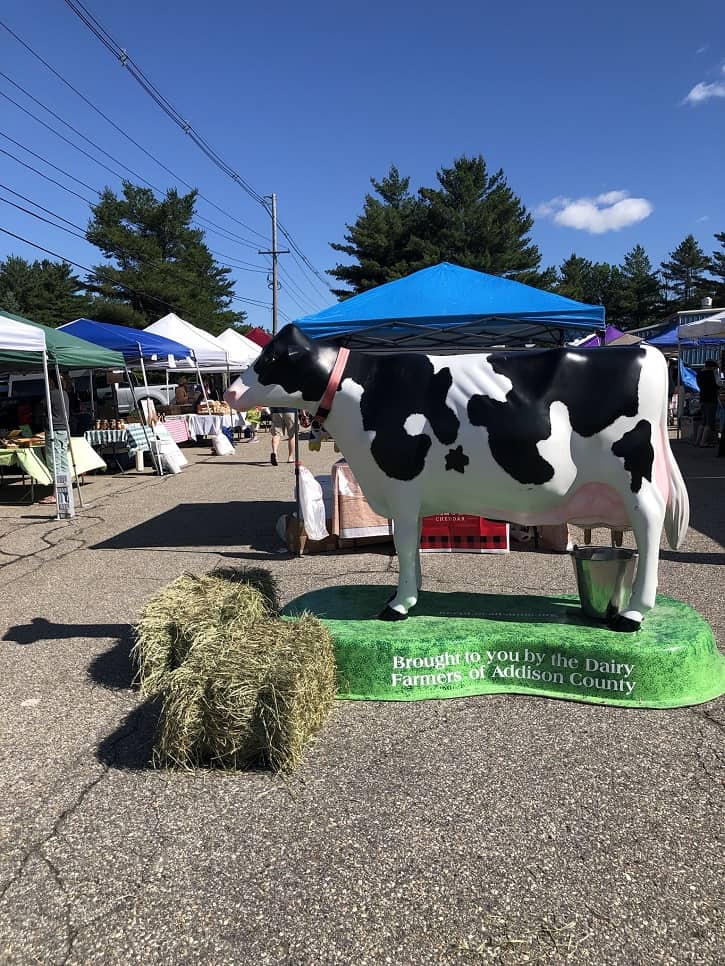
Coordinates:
x,y
686,269
717,269
595,283
43,291
472,219
640,299
380,239
161,263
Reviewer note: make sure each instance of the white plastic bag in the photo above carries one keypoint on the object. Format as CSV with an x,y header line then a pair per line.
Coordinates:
x,y
313,505
221,445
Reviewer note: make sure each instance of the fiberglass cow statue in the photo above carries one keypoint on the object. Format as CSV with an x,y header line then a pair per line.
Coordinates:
x,y
536,436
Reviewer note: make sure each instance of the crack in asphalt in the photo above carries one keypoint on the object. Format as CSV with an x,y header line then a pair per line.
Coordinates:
x,y
36,851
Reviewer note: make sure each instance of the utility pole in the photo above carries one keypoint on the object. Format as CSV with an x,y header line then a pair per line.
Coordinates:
x,y
274,253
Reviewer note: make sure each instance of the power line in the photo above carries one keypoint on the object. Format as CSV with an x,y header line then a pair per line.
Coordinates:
x,y
222,232
122,132
96,28
50,164
47,178
46,210
40,218
70,191
99,272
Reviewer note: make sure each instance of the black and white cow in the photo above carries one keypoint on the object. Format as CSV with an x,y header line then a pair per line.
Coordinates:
x,y
535,436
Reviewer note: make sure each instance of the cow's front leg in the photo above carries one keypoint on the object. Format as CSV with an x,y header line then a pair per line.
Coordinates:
x,y
407,545
647,516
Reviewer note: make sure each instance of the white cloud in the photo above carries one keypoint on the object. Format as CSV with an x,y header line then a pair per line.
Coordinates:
x,y
703,218
704,91
610,211
701,50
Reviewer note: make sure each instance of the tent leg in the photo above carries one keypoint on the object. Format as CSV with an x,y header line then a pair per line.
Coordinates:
x,y
297,483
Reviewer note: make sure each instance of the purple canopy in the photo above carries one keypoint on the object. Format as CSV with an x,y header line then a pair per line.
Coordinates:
x,y
610,334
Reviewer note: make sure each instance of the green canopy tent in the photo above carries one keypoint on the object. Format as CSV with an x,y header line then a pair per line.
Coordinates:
x,y
65,351
19,354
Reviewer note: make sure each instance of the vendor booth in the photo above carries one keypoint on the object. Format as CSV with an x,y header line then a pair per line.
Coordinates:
x,y
137,346
27,347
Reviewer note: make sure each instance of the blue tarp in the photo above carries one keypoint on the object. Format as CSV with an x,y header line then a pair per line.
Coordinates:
x,y
667,338
447,306
126,341
688,377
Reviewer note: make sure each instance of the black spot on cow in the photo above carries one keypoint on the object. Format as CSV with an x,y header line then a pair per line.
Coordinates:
x,y
394,388
296,363
457,460
596,385
635,448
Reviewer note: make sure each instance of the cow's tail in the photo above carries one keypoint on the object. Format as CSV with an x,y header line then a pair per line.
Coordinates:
x,y
677,513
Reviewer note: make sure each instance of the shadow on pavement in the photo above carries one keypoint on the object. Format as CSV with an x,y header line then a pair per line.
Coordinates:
x,y
40,629
114,669
205,525
130,747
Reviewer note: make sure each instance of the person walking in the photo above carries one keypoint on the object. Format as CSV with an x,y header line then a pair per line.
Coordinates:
x,y
283,423
708,382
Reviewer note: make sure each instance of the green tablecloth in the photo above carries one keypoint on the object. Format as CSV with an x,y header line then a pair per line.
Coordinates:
x,y
30,461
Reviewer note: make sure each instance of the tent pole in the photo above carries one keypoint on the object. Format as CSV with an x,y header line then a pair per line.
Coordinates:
x,y
297,484
153,431
201,382
51,431
70,439
680,400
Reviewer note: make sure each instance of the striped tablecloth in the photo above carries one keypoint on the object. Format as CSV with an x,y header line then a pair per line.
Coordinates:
x,y
177,428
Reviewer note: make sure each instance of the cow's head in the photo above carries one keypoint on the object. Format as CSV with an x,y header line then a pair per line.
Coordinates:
x,y
291,371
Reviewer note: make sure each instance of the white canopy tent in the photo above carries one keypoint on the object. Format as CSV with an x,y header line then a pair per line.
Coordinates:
x,y
239,346
18,337
711,328
29,342
209,354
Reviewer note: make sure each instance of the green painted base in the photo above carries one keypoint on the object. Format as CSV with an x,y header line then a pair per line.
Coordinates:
x,y
462,644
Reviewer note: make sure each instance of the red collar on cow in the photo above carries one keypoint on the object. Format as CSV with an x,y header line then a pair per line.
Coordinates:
x,y
333,383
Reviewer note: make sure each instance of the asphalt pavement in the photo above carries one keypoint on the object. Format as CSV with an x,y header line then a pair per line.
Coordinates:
x,y
503,829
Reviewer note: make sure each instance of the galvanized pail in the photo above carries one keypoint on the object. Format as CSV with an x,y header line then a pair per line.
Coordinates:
x,y
604,577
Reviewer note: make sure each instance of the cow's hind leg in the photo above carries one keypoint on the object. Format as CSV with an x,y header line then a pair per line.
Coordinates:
x,y
647,516
407,544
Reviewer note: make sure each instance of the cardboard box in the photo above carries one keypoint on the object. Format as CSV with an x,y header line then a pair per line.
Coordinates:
x,y
463,533
296,537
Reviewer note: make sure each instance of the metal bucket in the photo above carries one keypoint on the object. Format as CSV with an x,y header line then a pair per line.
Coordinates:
x,y
604,577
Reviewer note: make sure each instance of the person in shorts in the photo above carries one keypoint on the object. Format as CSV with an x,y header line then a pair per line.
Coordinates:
x,y
283,424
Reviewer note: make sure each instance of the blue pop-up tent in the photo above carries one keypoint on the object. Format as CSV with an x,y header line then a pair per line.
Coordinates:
x,y
133,344
448,307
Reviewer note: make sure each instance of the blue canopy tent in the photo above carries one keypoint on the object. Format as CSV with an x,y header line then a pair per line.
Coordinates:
x,y
446,307
133,344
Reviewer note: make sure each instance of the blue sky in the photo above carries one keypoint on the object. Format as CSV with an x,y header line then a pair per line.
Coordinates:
x,y
608,120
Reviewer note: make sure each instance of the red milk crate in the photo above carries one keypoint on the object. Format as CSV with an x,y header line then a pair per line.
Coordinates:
x,y
463,533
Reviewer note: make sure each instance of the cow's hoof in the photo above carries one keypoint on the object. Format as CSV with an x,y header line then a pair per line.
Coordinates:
x,y
388,614
623,624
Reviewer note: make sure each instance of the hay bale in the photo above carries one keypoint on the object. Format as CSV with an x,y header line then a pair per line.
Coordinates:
x,y
253,695
192,609
259,577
